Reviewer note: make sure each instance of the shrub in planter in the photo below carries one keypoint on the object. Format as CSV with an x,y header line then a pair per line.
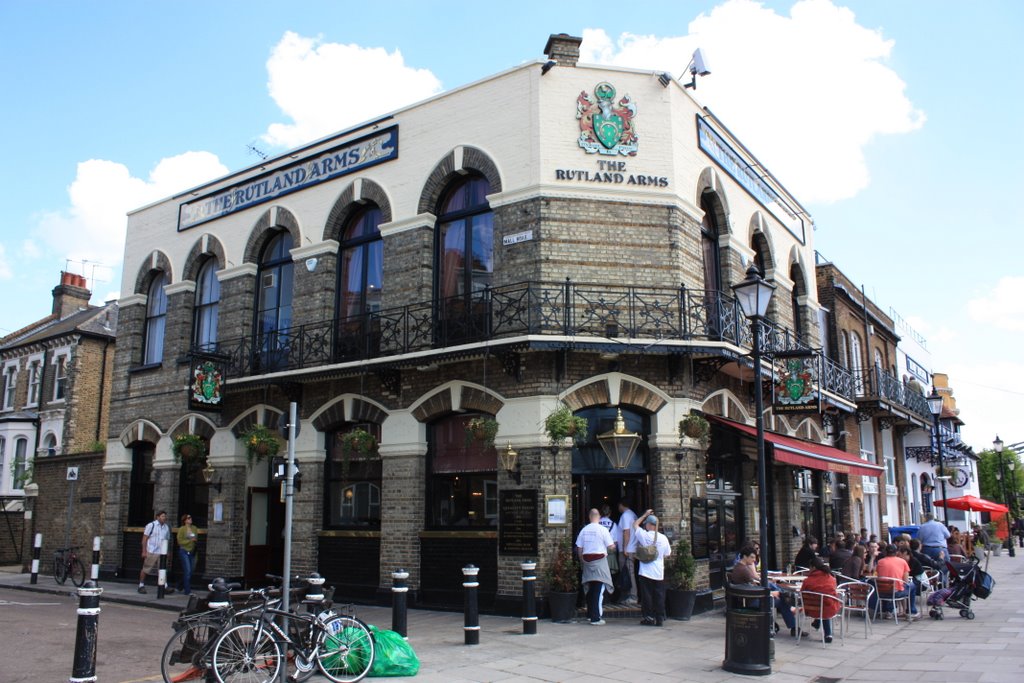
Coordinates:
x,y
679,572
561,424
563,577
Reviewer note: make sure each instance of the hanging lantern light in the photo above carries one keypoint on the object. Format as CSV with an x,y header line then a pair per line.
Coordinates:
x,y
618,444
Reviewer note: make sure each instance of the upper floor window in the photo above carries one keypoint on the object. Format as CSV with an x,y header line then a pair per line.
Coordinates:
x,y
156,320
60,376
465,240
274,299
709,234
361,265
207,302
35,381
856,363
10,385
797,276
3,460
50,444
19,472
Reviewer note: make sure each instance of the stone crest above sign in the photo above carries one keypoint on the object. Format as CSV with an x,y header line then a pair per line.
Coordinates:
x,y
606,127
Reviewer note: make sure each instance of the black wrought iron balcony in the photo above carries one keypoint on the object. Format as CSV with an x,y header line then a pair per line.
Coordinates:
x,y
878,384
585,312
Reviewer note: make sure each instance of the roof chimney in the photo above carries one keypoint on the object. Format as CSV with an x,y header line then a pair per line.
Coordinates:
x,y
563,49
71,295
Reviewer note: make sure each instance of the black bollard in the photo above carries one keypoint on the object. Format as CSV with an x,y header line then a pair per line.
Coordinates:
x,y
529,600
84,668
314,593
95,576
219,596
161,577
472,622
399,603
34,579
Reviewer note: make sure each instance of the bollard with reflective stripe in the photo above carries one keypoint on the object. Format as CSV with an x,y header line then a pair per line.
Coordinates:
x,y
314,597
96,560
399,602
472,622
529,599
161,577
34,579
84,667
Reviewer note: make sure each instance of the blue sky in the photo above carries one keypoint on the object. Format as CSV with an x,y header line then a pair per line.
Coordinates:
x,y
897,124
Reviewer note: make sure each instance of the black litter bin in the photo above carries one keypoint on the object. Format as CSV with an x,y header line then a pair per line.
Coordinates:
x,y
747,630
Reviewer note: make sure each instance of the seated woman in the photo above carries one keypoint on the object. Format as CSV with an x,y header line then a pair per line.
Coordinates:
x,y
820,580
808,551
744,573
854,565
955,542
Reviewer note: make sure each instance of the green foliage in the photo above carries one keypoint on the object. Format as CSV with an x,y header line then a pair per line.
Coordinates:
x,y
695,426
482,429
563,574
359,443
991,486
188,447
561,424
260,443
681,566
96,447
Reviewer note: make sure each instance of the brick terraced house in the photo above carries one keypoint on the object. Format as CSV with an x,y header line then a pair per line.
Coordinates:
x,y
554,235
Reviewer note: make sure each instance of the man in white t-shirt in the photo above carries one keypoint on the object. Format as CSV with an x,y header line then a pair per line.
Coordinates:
x,y
593,545
156,534
627,518
652,574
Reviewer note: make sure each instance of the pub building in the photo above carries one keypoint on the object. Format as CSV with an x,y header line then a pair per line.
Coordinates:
x,y
428,287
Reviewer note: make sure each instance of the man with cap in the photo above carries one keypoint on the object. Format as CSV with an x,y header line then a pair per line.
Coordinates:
x,y
652,574
593,545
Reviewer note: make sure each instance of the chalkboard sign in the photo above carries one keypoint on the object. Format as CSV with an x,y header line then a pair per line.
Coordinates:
x,y
517,522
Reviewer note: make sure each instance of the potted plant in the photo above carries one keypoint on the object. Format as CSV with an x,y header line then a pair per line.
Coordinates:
x,y
260,443
563,577
188,448
695,426
482,429
679,571
561,424
359,443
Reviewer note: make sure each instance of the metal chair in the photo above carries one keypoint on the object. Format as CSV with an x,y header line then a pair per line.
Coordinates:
x,y
932,582
887,593
813,605
858,601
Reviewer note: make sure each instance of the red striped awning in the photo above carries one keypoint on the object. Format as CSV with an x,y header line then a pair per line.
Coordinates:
x,y
802,453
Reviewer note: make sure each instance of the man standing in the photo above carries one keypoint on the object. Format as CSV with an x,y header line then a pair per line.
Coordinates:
x,y
593,545
934,537
652,574
627,518
156,534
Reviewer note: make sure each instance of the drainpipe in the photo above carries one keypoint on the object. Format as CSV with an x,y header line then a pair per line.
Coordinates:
x,y
103,375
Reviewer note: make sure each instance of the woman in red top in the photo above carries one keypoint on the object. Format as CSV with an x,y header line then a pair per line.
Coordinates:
x,y
820,580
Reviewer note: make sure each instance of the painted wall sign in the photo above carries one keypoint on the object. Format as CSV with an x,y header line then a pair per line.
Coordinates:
x,y
606,126
742,171
517,238
342,160
610,173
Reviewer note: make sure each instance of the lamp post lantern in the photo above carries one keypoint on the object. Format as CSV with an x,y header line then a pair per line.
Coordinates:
x,y
997,444
753,295
935,408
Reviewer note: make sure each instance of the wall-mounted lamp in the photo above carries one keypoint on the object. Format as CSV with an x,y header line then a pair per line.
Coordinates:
x,y
510,463
697,488
664,79
311,264
547,66
208,478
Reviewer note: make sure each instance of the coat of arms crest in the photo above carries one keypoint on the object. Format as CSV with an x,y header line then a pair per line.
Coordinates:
x,y
794,386
606,127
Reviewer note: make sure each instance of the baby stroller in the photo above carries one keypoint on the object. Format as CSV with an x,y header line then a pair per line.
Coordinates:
x,y
967,581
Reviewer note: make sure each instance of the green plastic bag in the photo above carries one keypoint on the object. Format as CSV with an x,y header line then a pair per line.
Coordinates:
x,y
349,651
392,655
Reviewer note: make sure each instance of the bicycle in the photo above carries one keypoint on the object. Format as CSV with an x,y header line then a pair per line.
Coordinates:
x,y
66,563
340,646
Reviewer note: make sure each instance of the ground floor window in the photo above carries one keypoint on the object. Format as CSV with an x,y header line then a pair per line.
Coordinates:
x,y
352,496
140,492
462,481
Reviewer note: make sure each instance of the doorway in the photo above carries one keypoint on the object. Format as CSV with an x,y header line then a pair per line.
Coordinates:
x,y
595,490
264,538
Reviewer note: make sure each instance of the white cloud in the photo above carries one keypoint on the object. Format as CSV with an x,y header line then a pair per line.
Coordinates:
x,y
805,92
30,250
5,267
93,227
1003,307
326,87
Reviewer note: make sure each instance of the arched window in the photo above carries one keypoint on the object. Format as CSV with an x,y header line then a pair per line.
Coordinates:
x,y
799,290
50,444
204,325
274,301
856,363
156,320
465,258
352,482
20,474
360,283
709,232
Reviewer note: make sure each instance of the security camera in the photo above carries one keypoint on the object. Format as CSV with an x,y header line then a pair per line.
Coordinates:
x,y
699,64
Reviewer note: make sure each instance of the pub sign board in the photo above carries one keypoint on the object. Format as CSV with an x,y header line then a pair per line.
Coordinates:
x,y
206,388
517,522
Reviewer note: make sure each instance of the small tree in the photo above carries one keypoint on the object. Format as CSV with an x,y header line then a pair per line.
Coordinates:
x,y
681,567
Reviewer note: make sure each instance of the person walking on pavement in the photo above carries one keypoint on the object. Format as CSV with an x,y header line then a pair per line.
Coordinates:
x,y
153,537
627,519
187,537
593,545
652,574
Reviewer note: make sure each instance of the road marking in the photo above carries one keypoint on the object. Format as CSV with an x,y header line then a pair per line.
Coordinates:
x,y
26,604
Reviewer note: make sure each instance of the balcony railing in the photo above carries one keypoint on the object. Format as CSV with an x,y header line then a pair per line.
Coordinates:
x,y
532,308
877,383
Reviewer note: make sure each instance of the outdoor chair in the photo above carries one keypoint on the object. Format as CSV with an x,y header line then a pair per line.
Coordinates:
x,y
813,605
887,594
858,601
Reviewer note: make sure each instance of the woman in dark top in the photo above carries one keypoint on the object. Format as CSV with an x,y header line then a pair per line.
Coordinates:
x,y
853,567
808,551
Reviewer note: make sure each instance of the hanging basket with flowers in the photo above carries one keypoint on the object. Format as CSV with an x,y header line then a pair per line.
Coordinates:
x,y
695,426
188,448
561,424
481,430
260,443
359,444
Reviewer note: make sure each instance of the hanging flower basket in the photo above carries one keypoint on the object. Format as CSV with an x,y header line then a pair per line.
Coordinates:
x,y
561,424
695,426
188,448
260,443
359,444
481,430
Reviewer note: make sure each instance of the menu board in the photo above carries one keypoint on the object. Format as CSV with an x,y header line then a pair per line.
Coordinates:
x,y
517,522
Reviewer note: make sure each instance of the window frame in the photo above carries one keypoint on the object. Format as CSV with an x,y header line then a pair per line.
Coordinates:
x,y
22,457
206,307
60,361
468,217
155,326
273,344
34,384
361,470
11,369
472,483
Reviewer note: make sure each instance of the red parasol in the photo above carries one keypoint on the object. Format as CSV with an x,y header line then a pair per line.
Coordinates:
x,y
971,504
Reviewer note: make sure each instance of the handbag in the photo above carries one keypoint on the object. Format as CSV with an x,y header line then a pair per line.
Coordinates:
x,y
648,553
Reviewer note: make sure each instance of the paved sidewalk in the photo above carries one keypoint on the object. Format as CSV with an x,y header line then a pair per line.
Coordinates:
x,y
989,649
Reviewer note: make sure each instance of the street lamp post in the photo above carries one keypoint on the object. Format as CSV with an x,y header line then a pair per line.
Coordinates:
x,y
935,407
753,295
998,445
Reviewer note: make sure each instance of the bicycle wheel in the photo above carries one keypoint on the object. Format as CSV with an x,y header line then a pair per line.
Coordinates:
x,y
187,653
345,652
244,654
77,572
60,570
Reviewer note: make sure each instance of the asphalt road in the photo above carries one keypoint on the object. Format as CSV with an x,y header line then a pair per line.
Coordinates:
x,y
37,639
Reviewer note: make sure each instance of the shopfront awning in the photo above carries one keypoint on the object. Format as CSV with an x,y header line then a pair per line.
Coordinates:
x,y
808,454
